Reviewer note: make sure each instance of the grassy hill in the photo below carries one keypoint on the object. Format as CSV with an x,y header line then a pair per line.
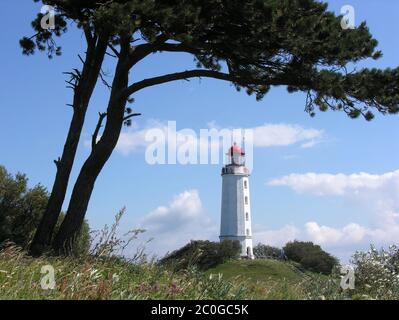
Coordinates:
x,y
264,279
259,270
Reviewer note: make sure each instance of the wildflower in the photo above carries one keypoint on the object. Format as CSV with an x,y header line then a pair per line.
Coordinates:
x,y
142,288
173,289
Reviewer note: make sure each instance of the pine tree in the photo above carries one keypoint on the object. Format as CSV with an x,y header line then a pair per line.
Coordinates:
x,y
253,44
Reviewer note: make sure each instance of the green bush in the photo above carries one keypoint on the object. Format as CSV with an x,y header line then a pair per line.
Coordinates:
x,y
21,209
312,257
203,254
262,251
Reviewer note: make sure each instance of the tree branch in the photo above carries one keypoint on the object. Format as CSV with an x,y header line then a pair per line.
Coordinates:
x,y
176,76
143,50
113,49
178,47
57,162
102,74
97,130
131,116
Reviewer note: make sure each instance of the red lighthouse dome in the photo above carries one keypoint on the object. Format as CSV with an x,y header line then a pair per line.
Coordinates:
x,y
236,150
236,155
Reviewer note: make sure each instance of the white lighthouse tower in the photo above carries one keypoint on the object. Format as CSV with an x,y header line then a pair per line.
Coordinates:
x,y
236,206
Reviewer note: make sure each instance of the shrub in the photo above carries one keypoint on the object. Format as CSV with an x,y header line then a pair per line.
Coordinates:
x,y
377,272
376,277
310,256
262,251
203,254
21,209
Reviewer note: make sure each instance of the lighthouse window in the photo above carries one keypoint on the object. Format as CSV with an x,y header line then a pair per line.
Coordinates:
x,y
247,232
246,200
245,184
247,216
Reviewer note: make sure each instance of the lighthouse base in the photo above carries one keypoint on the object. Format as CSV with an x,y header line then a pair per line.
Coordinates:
x,y
246,245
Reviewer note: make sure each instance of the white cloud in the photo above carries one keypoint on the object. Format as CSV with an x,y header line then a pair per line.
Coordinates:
x,y
377,195
134,138
312,231
270,135
338,184
351,233
276,237
184,217
310,144
183,209
267,135
175,224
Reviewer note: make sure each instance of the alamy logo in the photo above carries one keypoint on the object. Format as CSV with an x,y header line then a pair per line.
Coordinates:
x,y
48,20
348,19
47,282
170,146
347,278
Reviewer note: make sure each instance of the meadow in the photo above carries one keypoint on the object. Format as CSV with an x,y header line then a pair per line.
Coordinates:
x,y
105,278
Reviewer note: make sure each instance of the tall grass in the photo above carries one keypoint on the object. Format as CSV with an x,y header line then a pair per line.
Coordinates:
x,y
105,278
105,274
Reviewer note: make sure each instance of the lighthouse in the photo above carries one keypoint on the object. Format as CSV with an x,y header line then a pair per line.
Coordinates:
x,y
236,207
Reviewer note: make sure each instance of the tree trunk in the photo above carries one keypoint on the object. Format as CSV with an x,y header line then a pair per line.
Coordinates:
x,y
92,167
82,94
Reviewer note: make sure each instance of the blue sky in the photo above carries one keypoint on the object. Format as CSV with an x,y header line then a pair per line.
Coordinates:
x,y
175,202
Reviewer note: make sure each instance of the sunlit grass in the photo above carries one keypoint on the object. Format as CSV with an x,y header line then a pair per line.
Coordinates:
x,y
105,278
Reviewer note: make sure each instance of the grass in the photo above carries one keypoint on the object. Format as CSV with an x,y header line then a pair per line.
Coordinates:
x,y
100,274
107,278
265,279
258,270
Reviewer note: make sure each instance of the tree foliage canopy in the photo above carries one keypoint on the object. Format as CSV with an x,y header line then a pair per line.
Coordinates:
x,y
203,254
263,251
255,44
312,257
21,209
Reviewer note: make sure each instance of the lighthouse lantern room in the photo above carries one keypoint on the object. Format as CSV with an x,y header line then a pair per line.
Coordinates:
x,y
236,206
